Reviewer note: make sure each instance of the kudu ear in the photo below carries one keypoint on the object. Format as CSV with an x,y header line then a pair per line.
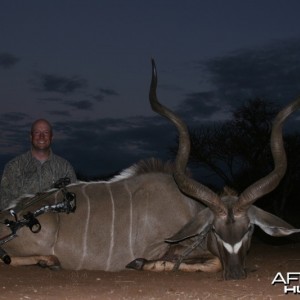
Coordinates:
x,y
197,225
270,223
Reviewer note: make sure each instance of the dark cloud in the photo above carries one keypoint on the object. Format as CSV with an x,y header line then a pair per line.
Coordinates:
x,y
198,105
13,117
50,99
76,104
14,128
64,113
99,97
7,60
109,92
60,84
270,72
102,93
81,104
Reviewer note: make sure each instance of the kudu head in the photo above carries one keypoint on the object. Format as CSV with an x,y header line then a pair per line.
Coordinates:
x,y
228,219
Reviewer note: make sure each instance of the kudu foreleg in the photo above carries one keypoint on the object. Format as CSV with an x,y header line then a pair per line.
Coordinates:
x,y
211,265
46,261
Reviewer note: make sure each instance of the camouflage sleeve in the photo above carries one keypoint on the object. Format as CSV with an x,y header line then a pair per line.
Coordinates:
x,y
7,188
71,173
63,168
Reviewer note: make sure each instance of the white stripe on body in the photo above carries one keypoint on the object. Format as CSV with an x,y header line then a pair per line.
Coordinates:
x,y
130,221
58,226
112,231
86,228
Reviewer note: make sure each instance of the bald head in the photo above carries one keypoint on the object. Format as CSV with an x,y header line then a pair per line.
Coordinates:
x,y
41,122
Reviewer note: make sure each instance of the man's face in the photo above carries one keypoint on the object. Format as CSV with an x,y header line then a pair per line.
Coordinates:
x,y
41,136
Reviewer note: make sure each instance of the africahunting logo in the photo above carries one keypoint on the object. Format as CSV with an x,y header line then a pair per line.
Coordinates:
x,y
290,281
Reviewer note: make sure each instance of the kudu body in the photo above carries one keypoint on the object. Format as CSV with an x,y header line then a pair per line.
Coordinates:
x,y
117,222
114,222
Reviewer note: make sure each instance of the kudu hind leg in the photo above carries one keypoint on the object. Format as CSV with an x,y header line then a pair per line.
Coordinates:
x,y
46,261
211,265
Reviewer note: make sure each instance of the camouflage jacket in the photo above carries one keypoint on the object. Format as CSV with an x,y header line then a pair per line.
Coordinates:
x,y
26,175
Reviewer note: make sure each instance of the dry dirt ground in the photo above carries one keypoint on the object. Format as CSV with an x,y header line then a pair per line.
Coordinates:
x,y
263,263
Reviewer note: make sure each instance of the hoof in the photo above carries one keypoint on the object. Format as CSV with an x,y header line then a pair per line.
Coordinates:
x,y
55,267
50,262
6,259
42,264
45,264
137,264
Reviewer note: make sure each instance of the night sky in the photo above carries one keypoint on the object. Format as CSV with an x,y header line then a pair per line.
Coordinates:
x,y
86,67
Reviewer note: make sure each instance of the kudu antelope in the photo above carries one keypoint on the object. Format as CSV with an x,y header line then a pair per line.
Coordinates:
x,y
129,217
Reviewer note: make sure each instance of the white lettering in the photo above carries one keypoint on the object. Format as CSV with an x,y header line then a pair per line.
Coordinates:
x,y
280,280
290,277
293,289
